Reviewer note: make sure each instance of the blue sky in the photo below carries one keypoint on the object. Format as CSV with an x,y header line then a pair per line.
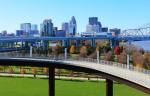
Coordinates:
x,y
112,13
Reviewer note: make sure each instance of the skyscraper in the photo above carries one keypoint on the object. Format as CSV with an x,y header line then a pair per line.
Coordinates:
x,y
65,28
26,27
94,25
34,27
47,28
93,20
72,26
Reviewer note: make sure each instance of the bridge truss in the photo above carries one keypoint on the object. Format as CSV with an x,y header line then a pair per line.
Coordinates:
x,y
136,32
141,31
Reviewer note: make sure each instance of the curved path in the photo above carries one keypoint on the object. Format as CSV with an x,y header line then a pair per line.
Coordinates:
x,y
114,72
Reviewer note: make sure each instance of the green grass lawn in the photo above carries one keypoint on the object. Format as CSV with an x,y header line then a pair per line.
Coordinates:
x,y
39,87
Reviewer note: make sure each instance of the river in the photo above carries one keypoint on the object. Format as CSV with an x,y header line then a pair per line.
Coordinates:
x,y
144,44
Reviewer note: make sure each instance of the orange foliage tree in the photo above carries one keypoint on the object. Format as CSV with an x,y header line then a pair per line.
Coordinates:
x,y
83,51
138,59
72,49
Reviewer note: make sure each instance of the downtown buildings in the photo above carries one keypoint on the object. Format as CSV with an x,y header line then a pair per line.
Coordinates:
x,y
69,29
27,30
95,28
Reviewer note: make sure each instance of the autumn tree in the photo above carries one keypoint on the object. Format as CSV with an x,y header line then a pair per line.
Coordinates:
x,y
72,49
122,58
147,60
109,56
117,50
83,51
56,51
138,59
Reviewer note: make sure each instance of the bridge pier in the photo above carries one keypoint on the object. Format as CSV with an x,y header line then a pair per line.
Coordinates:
x,y
109,87
51,81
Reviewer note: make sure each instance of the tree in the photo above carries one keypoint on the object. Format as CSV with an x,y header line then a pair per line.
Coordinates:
x,y
102,46
147,60
72,49
117,50
56,51
109,56
130,49
138,59
122,58
83,51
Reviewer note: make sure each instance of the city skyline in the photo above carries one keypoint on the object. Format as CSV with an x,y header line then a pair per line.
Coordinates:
x,y
112,13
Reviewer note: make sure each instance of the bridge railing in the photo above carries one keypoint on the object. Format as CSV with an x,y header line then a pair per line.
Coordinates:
x,y
114,64
69,58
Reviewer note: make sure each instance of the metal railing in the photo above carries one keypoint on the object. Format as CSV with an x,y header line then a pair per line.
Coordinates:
x,y
137,75
62,57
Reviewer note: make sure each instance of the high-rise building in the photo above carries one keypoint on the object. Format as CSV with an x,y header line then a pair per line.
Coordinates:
x,y
55,29
93,20
26,27
72,26
47,28
65,28
34,27
34,30
60,33
94,25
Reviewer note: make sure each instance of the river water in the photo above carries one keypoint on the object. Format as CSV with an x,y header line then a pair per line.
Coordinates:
x,y
144,44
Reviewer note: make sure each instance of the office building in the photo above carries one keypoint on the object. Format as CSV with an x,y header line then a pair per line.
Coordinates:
x,y
104,29
34,27
60,33
26,27
20,33
94,25
47,28
65,27
72,26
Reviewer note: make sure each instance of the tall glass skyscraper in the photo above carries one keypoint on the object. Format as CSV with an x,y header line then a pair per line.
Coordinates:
x,y
47,28
72,26
26,27
65,27
94,25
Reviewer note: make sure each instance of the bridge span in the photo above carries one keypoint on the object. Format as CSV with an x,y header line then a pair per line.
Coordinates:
x,y
133,77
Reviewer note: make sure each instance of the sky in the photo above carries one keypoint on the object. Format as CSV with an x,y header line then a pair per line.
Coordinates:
x,y
124,14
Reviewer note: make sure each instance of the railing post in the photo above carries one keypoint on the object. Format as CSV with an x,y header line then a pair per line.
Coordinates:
x,y
51,81
30,51
65,53
109,87
128,61
97,56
